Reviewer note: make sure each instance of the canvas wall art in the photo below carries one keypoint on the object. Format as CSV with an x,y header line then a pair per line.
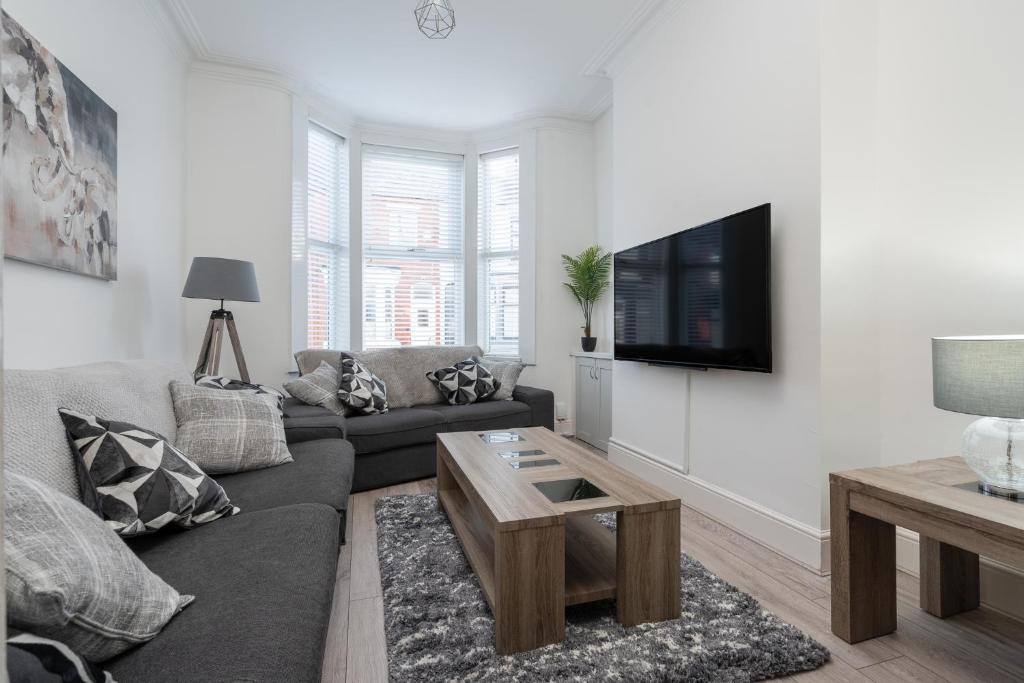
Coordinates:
x,y
60,162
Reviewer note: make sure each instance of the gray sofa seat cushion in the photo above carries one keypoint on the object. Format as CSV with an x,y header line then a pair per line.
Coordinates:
x,y
403,369
484,415
321,473
263,583
129,391
394,429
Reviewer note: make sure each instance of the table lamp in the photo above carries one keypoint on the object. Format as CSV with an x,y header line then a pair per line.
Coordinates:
x,y
221,279
985,376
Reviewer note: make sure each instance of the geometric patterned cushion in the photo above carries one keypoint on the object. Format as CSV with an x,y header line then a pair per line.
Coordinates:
x,y
137,481
318,388
31,658
228,431
359,390
71,578
221,382
465,382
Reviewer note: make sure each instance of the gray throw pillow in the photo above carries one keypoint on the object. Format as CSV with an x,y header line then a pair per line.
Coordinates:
x,y
70,578
318,388
228,431
507,373
221,382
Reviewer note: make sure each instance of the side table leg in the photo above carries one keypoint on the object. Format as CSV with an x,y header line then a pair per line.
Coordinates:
x,y
529,595
863,572
647,566
949,579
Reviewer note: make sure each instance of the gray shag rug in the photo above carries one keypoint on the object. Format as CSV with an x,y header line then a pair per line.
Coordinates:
x,y
439,628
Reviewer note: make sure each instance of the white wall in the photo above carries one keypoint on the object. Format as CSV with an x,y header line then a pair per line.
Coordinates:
x,y
239,206
604,188
54,318
717,110
951,210
565,225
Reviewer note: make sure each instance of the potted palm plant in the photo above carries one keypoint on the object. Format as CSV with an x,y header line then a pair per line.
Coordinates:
x,y
588,281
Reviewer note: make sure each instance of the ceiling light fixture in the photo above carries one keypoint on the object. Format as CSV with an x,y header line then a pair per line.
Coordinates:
x,y
436,18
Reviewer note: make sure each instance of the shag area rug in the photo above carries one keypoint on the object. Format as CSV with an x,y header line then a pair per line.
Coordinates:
x,y
439,627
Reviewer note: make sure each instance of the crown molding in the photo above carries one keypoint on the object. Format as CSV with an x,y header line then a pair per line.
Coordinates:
x,y
604,63
601,106
169,29
246,75
188,28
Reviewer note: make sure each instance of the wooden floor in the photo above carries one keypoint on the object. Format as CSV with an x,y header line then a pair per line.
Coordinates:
x,y
978,646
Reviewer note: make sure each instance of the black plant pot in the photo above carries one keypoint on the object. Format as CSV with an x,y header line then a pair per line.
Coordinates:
x,y
589,343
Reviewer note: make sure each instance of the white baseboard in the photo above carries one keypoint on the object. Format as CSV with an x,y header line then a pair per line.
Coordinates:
x,y
799,542
1002,586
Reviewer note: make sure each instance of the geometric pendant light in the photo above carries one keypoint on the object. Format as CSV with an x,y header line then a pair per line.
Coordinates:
x,y
436,18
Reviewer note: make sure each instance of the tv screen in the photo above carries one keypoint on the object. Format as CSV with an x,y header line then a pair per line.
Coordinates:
x,y
699,298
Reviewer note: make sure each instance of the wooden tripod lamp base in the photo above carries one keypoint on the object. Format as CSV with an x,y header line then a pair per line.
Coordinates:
x,y
221,279
209,352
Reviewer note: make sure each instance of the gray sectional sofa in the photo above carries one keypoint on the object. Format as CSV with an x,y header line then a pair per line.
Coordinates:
x,y
399,445
263,580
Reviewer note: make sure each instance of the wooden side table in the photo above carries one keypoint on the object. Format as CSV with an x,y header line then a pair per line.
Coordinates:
x,y
956,523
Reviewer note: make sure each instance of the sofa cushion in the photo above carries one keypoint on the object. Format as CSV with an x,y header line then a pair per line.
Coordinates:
x,y
359,390
71,578
263,583
321,473
228,431
403,369
228,384
136,481
484,415
131,391
466,382
318,388
394,429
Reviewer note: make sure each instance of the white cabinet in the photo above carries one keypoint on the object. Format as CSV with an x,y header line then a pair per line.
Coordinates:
x,y
593,407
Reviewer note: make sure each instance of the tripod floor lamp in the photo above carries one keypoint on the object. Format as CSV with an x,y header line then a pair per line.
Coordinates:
x,y
221,279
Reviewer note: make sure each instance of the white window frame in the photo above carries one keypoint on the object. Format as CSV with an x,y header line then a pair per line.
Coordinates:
x,y
526,142
401,253
471,147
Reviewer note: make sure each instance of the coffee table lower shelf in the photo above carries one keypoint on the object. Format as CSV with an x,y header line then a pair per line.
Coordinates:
x,y
589,551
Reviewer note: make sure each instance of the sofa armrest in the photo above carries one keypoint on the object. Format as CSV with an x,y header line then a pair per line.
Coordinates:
x,y
308,423
541,402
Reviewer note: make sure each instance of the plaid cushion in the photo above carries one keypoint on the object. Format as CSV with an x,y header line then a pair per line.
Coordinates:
x,y
318,388
221,382
228,431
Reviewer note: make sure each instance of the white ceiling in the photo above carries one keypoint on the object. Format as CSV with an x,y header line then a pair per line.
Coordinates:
x,y
506,59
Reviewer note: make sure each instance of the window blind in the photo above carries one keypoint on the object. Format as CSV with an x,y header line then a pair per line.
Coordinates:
x,y
327,256
412,247
498,246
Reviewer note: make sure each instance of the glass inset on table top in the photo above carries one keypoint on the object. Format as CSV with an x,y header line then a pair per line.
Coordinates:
x,y
501,437
564,490
520,464
521,454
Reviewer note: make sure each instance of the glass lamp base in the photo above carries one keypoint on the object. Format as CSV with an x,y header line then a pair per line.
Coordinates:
x,y
994,448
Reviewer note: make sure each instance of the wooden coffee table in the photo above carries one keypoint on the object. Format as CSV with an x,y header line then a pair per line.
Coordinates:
x,y
533,556
939,500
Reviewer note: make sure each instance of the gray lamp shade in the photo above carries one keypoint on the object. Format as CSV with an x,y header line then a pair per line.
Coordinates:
x,y
221,278
979,375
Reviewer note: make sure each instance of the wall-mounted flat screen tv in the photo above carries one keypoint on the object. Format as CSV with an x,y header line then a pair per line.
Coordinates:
x,y
699,298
